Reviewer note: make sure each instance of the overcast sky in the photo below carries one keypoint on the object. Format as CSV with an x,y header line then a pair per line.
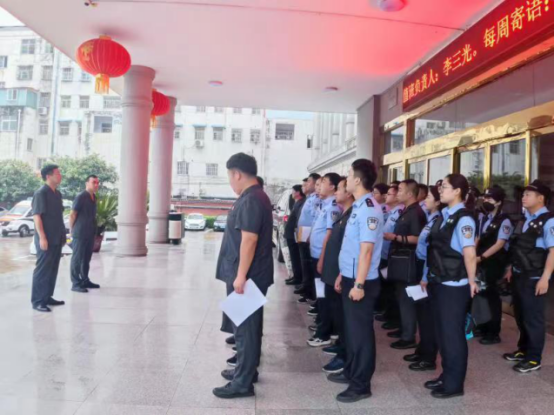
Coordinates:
x,y
7,19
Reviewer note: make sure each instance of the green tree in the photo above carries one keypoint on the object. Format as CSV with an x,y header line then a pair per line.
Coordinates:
x,y
75,171
17,181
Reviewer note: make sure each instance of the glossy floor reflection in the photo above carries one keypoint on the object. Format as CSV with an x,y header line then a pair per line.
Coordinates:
x,y
149,342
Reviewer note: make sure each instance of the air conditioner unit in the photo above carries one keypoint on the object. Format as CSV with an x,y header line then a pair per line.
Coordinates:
x,y
43,111
199,143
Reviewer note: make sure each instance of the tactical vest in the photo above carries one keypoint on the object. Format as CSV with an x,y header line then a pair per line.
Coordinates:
x,y
490,237
526,257
445,263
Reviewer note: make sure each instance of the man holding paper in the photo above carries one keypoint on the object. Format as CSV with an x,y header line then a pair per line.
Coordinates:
x,y
246,255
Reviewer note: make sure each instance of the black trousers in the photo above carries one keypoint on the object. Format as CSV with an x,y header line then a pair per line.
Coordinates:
x,y
450,307
324,312
295,260
530,317
307,270
387,299
408,315
427,347
248,341
337,316
359,335
45,273
494,326
80,260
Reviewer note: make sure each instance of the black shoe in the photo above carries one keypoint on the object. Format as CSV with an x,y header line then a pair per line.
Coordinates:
x,y
422,366
79,289
478,333
332,350
89,285
433,384
312,328
403,345
527,366
490,340
338,378
380,318
412,358
54,302
297,287
227,392
234,349
350,396
230,340
394,334
299,291
42,308
390,325
302,300
514,356
312,312
292,282
336,365
230,374
232,361
440,393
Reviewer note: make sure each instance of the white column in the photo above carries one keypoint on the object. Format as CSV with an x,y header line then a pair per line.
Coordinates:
x,y
368,128
133,181
160,175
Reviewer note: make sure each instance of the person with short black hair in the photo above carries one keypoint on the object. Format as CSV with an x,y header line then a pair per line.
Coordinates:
x,y
246,254
422,196
290,235
380,194
261,181
49,238
395,183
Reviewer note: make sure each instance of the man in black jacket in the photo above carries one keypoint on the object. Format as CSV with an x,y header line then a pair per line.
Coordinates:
x,y
290,235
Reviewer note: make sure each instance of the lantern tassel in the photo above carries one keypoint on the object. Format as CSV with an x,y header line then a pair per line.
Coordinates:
x,y
153,122
102,84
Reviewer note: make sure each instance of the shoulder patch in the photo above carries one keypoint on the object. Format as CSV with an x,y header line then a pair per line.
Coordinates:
x,y
369,202
384,209
335,215
335,203
552,231
372,223
506,229
467,231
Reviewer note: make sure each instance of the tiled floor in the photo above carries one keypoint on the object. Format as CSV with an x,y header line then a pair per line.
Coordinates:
x,y
149,342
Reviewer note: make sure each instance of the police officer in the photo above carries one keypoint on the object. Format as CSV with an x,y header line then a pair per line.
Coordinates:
x,y
422,196
407,228
492,258
307,218
330,275
452,268
425,356
380,191
321,231
290,235
532,258
359,282
82,223
49,238
246,253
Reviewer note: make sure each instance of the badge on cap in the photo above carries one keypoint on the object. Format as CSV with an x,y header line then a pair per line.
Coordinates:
x,y
467,231
372,223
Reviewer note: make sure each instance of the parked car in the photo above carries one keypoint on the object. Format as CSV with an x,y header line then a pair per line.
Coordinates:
x,y
281,212
195,222
19,219
220,223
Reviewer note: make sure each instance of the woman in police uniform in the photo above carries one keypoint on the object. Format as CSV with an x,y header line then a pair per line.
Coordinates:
x,y
452,266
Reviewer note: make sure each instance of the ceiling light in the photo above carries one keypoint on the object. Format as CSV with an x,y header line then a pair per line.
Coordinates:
x,y
391,5
330,89
215,83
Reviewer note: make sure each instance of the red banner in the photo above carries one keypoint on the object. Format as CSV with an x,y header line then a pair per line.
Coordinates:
x,y
507,30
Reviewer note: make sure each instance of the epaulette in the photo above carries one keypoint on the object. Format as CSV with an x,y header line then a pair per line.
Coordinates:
x,y
369,202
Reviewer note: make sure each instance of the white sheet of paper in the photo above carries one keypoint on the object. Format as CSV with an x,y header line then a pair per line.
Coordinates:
x,y
384,272
304,234
319,288
239,307
416,292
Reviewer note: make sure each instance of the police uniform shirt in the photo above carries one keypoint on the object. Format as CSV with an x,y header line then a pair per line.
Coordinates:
x,y
505,231
49,205
389,228
85,225
386,212
464,235
423,242
364,226
252,213
309,211
328,214
547,240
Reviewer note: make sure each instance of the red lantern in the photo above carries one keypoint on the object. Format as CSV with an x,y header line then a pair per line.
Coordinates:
x,y
161,106
104,59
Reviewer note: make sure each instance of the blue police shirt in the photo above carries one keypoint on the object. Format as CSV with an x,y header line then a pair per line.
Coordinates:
x,y
547,239
309,211
386,212
389,228
423,242
464,235
505,232
328,214
364,226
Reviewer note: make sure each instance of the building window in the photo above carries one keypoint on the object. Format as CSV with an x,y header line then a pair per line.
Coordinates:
x,y
66,101
43,127
218,134
219,109
177,134
29,145
237,110
12,95
472,166
67,74
64,128
85,77
211,169
439,167
103,124
256,111
3,61
47,73
2,84
25,73
44,100
8,122
508,167
84,101
199,133
236,135
515,148
40,162
28,46
200,109
48,48
182,168
416,171
112,102
394,140
255,135
284,132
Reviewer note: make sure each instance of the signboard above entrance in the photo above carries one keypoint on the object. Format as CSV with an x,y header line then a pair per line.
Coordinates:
x,y
507,30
